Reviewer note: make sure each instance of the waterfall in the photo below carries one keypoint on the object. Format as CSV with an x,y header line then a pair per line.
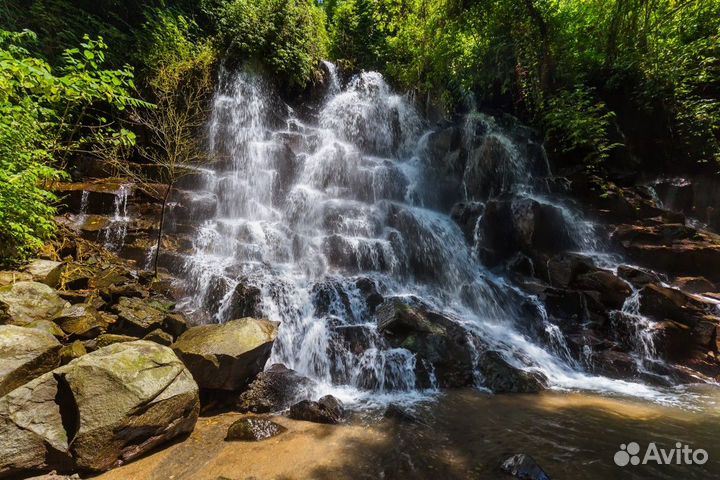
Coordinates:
x,y
314,212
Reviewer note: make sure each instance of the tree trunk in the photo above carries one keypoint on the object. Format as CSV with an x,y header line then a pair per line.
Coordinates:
x,y
160,228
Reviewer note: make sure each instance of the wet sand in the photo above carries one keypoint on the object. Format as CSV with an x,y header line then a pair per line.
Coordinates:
x,y
463,434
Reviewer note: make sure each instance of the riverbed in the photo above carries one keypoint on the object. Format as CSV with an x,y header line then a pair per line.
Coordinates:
x,y
461,434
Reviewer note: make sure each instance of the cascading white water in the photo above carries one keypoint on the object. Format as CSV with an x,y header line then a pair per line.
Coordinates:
x,y
311,211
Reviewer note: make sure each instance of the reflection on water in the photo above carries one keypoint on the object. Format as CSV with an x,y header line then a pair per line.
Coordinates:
x,y
570,435
464,435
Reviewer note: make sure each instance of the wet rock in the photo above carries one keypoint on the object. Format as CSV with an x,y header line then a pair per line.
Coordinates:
x,y
105,408
253,429
326,410
510,225
637,276
226,356
614,363
45,271
25,353
564,268
356,255
369,289
159,336
672,248
688,329
662,303
68,353
246,301
466,215
25,302
524,467
83,321
490,169
273,390
613,291
502,377
396,412
695,284
331,298
440,344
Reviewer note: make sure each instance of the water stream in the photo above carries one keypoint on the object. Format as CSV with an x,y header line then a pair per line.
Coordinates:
x,y
315,211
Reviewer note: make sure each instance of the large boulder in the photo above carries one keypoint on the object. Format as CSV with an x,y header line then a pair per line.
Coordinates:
x,y
442,347
100,410
25,302
501,376
512,224
229,355
25,353
273,390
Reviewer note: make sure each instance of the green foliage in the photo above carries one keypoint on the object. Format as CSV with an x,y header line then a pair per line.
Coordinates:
x,y
576,122
655,64
357,34
46,115
172,52
286,36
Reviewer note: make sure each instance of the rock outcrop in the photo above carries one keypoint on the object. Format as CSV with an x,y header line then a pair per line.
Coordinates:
x,y
441,346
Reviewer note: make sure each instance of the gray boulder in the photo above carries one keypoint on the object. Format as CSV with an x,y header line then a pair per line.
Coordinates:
x,y
25,353
229,355
100,410
25,302
45,271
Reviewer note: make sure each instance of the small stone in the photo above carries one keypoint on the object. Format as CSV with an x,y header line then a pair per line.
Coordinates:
x,y
253,429
524,467
326,410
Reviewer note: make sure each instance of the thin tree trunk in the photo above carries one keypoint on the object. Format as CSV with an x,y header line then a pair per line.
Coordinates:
x,y
160,228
